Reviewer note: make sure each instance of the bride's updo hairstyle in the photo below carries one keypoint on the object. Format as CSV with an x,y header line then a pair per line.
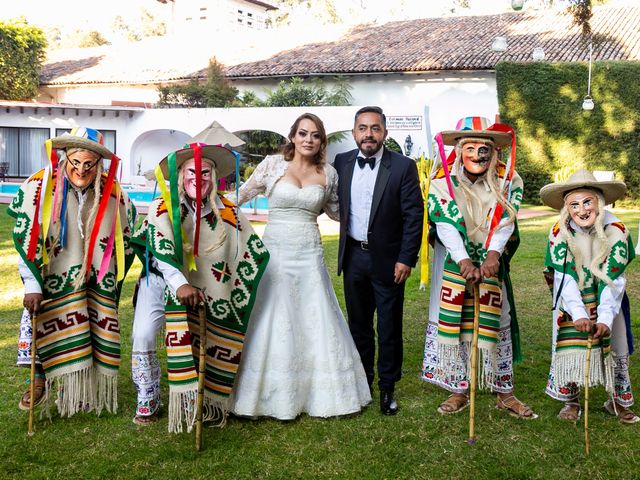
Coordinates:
x,y
289,148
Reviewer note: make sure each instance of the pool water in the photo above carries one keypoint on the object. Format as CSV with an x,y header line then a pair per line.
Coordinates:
x,y
140,196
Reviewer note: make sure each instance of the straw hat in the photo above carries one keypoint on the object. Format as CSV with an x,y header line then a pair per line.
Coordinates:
x,y
553,194
223,159
216,144
475,127
85,138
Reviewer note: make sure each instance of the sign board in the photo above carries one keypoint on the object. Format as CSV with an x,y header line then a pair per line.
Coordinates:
x,y
404,122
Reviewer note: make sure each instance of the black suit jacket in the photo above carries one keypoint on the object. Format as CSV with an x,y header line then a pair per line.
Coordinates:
x,y
397,209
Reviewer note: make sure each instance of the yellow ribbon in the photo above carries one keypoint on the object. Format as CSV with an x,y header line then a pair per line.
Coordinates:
x,y
425,166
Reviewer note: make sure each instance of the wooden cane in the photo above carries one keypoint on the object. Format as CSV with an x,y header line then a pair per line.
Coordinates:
x,y
32,384
474,364
201,372
586,394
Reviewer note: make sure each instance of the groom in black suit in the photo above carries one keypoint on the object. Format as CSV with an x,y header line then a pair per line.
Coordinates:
x,y
381,212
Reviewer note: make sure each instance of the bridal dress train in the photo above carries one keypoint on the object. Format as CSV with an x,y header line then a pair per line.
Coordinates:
x,y
299,356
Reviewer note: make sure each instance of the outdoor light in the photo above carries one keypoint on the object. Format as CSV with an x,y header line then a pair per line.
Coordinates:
x,y
538,54
499,44
587,103
517,4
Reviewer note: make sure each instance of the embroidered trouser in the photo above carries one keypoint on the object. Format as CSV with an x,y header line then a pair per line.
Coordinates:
x,y
147,323
24,340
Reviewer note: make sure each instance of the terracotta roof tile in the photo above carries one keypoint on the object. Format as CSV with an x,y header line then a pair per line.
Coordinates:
x,y
429,44
456,43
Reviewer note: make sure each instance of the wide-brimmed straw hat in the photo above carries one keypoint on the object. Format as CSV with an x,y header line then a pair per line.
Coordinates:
x,y
475,127
215,143
553,194
85,138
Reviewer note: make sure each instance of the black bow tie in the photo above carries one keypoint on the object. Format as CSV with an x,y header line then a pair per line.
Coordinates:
x,y
371,161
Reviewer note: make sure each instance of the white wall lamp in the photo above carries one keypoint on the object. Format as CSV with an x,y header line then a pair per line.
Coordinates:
x,y
538,54
499,44
587,103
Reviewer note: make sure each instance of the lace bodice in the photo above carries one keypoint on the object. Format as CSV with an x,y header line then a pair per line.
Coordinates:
x,y
311,200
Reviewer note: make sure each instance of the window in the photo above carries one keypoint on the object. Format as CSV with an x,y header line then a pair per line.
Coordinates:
x,y
249,14
21,148
203,9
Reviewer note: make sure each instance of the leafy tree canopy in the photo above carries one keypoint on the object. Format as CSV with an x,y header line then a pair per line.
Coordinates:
x,y
22,52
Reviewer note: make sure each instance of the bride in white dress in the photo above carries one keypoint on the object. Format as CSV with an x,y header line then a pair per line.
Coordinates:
x,y
299,356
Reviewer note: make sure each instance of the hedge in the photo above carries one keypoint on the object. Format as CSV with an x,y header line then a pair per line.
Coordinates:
x,y
543,102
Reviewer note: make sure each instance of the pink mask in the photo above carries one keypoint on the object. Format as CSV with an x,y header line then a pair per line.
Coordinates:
x,y
189,178
583,207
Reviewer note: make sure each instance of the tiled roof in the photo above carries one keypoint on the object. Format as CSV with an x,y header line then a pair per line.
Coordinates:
x,y
456,43
429,44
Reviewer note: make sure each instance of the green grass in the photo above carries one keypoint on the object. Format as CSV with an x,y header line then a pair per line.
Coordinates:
x,y
416,443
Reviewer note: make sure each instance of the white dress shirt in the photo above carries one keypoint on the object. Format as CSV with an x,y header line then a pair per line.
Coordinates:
x,y
362,184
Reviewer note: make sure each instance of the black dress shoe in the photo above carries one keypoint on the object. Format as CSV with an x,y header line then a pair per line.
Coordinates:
x,y
388,404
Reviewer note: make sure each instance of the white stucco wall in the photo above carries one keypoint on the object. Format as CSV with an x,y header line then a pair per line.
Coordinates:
x,y
449,95
145,136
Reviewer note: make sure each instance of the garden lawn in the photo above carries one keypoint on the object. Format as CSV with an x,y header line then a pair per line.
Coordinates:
x,y
416,443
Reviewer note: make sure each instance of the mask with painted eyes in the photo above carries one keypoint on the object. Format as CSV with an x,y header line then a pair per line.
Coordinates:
x,y
81,167
476,157
583,207
189,178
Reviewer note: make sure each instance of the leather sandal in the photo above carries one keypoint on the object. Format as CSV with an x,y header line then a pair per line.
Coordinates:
x,y
625,415
39,391
145,420
570,412
454,404
515,408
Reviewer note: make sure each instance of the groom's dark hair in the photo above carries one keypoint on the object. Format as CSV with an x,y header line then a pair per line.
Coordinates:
x,y
371,109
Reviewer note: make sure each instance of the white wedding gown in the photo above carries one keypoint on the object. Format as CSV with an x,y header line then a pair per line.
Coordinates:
x,y
298,356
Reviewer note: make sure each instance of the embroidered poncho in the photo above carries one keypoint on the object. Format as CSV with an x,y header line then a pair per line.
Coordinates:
x,y
229,265
78,331
455,323
569,357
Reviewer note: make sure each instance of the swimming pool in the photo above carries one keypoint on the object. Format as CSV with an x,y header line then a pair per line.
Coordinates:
x,y
142,196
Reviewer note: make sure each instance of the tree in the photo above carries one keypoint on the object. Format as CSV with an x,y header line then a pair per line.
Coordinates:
x,y
92,38
294,93
22,52
215,92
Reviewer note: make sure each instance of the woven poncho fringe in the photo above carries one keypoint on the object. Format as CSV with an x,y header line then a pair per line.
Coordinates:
x,y
570,353
570,368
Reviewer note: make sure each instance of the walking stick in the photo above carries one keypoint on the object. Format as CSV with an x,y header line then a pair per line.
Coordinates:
x,y
474,364
586,394
32,384
201,371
